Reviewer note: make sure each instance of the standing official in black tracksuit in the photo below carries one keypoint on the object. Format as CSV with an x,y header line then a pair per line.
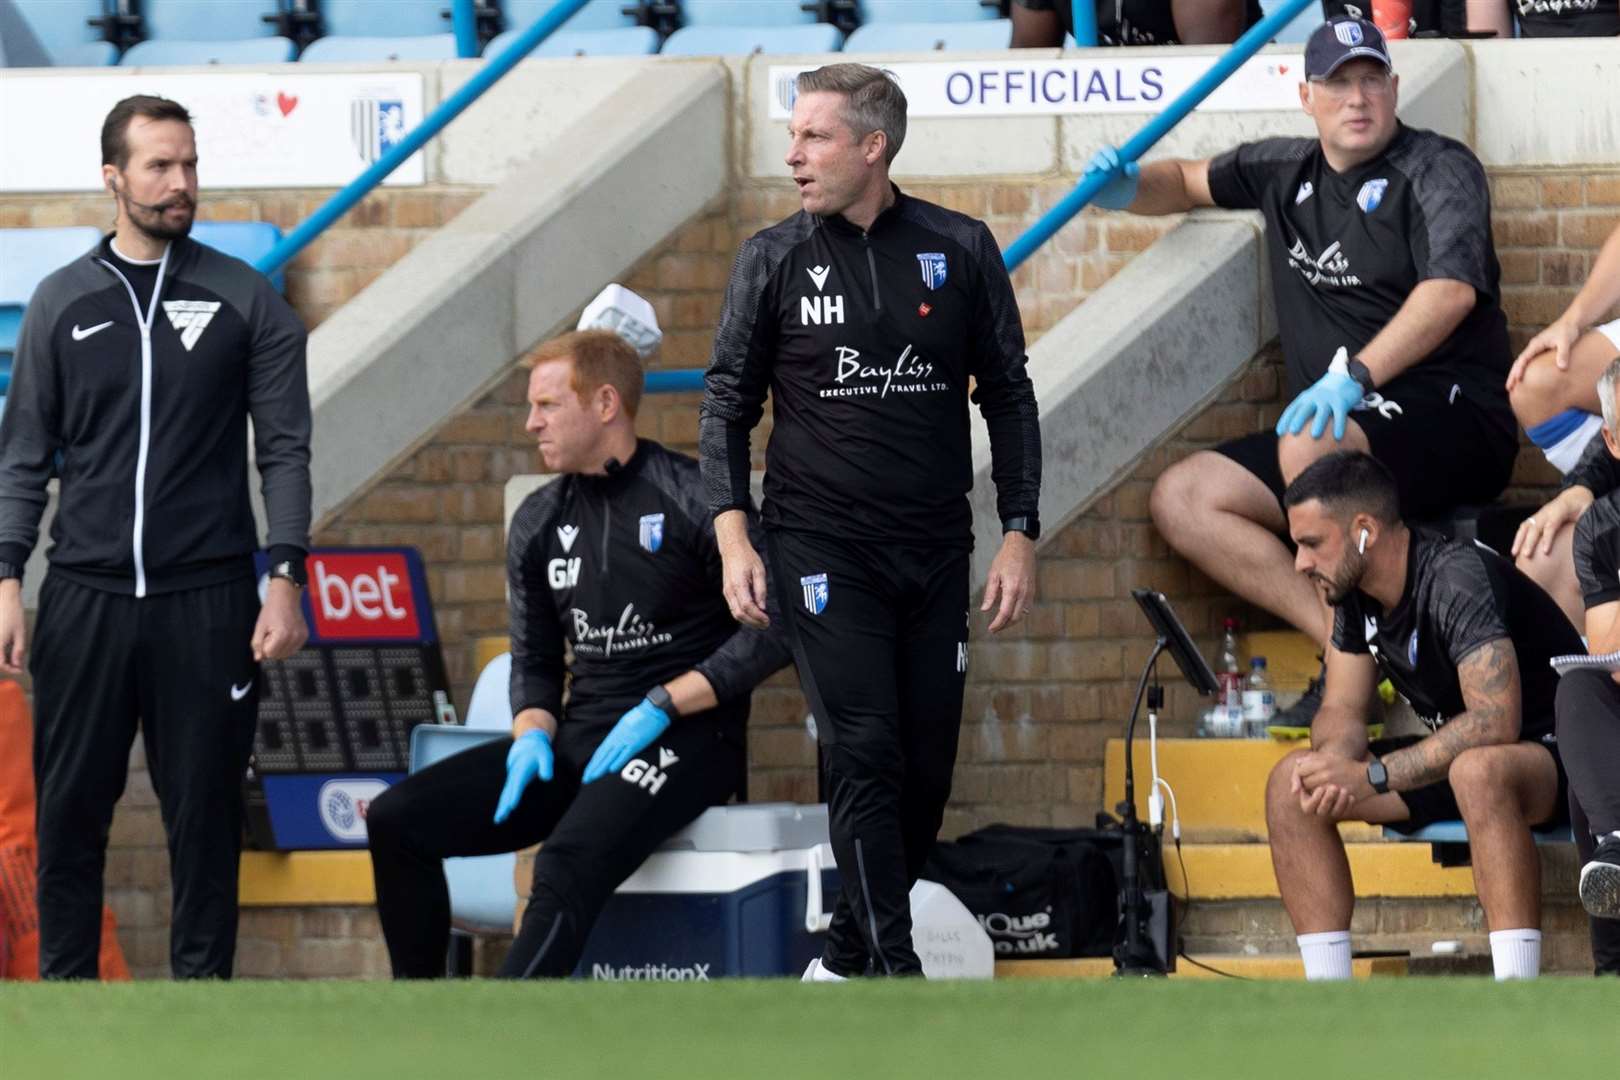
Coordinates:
x,y
137,370
867,316
614,561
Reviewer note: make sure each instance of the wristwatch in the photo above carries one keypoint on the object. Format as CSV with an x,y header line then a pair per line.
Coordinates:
x,y
290,570
659,697
1029,525
1378,776
1359,372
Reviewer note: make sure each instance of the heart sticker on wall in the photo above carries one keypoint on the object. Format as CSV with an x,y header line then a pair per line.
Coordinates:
x,y
286,103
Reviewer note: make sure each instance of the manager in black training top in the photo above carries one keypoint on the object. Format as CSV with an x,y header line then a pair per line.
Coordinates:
x,y
1466,638
138,368
615,562
1387,299
865,316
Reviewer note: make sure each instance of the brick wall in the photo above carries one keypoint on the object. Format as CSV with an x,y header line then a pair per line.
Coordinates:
x,y
1040,702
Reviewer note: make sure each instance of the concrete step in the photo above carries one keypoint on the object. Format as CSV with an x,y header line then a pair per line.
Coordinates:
x,y
1216,966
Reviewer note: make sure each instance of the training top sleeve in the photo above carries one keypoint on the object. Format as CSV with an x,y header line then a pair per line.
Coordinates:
x,y
748,657
1452,235
1465,608
278,399
1002,390
737,381
1597,552
1238,179
539,670
1347,635
1596,470
30,431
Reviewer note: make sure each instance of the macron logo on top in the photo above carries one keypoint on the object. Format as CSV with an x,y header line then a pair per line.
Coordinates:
x,y
190,318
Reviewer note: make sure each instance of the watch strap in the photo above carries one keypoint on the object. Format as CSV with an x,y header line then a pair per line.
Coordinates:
x,y
1028,524
1360,372
1378,776
660,697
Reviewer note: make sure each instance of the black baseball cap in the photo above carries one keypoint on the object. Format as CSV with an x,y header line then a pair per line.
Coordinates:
x,y
1339,40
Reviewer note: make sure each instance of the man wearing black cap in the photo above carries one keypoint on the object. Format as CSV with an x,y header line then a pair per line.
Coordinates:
x,y
1389,310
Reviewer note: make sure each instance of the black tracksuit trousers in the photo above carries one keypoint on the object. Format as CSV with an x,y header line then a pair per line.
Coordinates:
x,y
180,666
881,647
595,835
1588,717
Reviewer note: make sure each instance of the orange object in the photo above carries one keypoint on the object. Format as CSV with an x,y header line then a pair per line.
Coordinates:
x,y
1393,17
19,911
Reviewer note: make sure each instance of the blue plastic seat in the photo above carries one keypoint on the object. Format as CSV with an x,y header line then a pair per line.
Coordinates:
x,y
621,41
368,50
27,257
482,892
247,240
929,37
749,13
925,11
265,50
207,20
384,18
62,31
596,15
742,40
1299,27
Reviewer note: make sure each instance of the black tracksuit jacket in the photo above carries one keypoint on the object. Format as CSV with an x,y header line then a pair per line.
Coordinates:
x,y
147,405
868,342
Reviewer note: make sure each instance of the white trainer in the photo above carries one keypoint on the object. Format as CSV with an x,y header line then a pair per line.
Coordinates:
x,y
816,973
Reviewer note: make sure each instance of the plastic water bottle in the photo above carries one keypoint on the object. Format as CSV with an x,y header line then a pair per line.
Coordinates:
x,y
1393,17
1228,718
1259,703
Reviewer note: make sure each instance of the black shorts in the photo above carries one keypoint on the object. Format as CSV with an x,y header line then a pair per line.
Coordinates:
x,y
1438,802
1443,451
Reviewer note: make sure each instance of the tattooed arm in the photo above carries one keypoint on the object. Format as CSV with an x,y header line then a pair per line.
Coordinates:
x,y
1489,677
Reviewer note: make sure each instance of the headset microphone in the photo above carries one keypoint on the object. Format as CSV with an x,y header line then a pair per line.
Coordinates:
x,y
150,208
1361,548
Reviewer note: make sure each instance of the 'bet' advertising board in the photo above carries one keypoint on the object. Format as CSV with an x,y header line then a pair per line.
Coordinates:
x,y
335,719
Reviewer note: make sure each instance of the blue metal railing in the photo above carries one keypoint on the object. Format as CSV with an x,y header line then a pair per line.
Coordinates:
x,y
450,108
1154,130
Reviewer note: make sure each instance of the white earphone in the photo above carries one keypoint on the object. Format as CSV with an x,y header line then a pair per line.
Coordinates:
x,y
1361,546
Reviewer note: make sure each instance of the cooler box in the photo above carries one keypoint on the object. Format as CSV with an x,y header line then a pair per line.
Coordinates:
x,y
743,891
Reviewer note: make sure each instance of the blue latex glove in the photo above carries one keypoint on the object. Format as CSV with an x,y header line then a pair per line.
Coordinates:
x,y
1120,191
529,757
1334,394
635,730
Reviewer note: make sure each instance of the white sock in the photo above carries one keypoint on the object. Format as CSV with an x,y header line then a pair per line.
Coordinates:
x,y
1564,453
1516,954
1326,955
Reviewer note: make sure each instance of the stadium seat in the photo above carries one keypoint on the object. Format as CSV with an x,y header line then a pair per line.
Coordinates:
x,y
748,13
207,20
376,19
365,50
265,50
27,257
735,40
62,30
621,41
926,11
1299,27
482,893
596,15
928,37
247,240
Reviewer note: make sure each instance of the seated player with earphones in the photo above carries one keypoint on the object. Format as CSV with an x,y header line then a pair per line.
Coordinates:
x,y
1466,639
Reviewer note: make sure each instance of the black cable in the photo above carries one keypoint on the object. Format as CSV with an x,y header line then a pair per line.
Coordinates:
x,y
1186,903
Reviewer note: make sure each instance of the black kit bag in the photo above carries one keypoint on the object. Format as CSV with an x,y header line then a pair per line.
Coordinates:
x,y
1038,893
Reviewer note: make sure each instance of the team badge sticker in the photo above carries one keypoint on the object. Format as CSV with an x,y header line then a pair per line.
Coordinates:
x,y
1349,34
933,268
652,531
1371,194
1411,650
815,593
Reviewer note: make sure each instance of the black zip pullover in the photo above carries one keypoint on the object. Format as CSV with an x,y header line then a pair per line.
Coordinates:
x,y
623,571
868,341
146,399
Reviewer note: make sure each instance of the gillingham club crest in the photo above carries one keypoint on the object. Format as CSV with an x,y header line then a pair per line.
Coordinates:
x,y
1371,194
933,268
815,593
652,532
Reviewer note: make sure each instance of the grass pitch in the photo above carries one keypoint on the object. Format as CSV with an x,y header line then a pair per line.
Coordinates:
x,y
1010,1030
